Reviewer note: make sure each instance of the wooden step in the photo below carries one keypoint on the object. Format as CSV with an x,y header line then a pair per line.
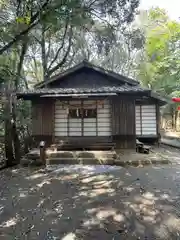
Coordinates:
x,y
86,146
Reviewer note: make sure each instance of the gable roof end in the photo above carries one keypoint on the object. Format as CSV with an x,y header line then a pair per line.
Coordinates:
x,y
90,66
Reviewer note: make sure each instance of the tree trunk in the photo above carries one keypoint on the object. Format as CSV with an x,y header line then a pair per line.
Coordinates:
x,y
172,117
12,143
8,141
15,136
174,120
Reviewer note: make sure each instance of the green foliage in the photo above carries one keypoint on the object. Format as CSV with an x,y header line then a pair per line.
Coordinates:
x,y
157,15
54,13
160,64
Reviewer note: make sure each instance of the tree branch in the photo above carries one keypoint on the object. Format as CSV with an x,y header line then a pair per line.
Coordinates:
x,y
61,47
97,15
25,79
49,48
91,3
37,40
34,21
20,64
35,69
65,56
43,52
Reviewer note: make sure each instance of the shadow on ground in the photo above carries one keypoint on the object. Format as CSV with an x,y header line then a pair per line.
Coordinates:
x,y
120,203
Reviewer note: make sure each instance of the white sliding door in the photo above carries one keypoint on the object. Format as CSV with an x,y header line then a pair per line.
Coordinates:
x,y
104,119
146,120
82,118
89,118
60,121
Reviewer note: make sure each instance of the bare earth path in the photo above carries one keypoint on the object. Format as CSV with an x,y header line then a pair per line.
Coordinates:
x,y
90,203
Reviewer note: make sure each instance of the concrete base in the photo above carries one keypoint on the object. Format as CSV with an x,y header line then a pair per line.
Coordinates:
x,y
173,142
129,158
144,162
119,157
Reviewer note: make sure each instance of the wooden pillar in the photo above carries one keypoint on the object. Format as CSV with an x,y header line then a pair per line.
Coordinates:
x,y
42,150
82,118
134,119
68,119
53,121
158,123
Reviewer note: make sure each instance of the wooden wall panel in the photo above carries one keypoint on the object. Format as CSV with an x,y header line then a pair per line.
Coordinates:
x,y
85,78
123,121
48,117
36,118
42,117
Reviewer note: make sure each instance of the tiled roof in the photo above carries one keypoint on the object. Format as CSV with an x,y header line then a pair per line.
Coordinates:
x,y
28,94
120,89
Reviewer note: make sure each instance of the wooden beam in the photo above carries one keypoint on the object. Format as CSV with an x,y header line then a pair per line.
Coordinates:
x,y
80,95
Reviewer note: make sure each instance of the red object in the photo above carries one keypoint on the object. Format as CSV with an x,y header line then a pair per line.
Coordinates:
x,y
178,108
175,99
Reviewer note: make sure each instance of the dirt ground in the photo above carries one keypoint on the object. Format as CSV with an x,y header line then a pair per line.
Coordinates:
x,y
90,202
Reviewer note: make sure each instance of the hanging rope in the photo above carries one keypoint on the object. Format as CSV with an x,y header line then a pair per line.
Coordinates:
x,y
99,102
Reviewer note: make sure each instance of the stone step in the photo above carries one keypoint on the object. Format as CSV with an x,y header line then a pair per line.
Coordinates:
x,y
83,154
87,161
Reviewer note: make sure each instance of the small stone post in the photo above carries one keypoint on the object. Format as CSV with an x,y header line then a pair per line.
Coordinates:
x,y
42,150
